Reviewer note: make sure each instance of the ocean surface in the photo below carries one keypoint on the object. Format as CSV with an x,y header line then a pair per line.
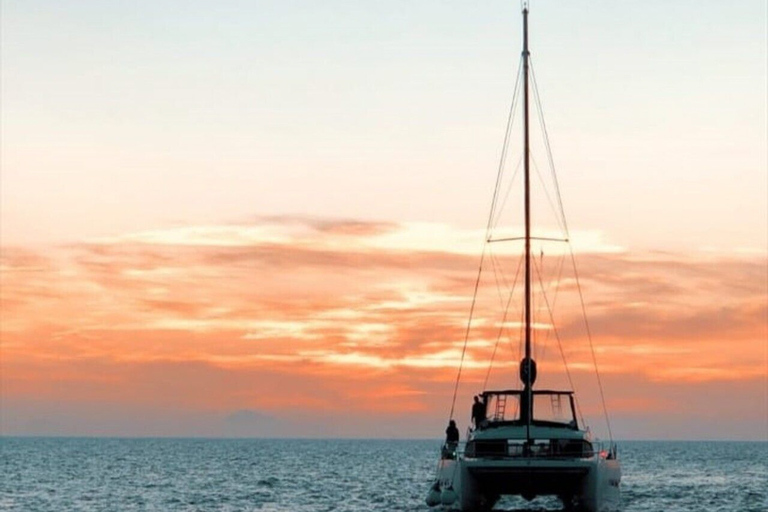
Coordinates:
x,y
88,474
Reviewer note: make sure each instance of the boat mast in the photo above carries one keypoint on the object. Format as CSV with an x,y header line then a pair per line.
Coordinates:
x,y
528,371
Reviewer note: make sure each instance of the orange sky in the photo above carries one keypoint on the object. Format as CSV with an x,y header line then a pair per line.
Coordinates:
x,y
306,326
174,263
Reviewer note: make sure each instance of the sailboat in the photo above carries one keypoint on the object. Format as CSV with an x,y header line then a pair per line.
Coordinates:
x,y
526,441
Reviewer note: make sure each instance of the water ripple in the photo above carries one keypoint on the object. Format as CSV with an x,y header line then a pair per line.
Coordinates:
x,y
61,474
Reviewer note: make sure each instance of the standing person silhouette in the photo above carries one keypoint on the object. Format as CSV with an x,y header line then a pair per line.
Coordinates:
x,y
478,412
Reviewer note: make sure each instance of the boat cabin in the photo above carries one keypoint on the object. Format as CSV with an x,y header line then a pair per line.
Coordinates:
x,y
548,409
553,431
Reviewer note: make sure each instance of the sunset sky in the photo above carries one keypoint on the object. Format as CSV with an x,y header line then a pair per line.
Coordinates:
x,y
265,218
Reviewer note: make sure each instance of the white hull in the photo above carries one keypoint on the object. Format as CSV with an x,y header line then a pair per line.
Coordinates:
x,y
591,484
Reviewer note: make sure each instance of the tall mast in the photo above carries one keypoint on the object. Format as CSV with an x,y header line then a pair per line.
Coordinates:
x,y
526,159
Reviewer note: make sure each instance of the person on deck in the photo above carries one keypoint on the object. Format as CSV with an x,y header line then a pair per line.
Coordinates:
x,y
451,441
478,412
451,433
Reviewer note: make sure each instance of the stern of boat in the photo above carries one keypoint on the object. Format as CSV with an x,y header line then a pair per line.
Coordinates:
x,y
601,491
590,483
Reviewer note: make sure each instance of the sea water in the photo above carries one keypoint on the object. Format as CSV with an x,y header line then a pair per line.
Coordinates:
x,y
88,474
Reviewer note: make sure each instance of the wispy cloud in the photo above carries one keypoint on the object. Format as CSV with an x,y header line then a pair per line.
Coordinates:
x,y
374,313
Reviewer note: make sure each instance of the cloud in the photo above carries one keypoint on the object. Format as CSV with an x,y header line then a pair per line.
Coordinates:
x,y
370,314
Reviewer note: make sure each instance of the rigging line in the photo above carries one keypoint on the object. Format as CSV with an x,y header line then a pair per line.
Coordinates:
x,y
591,345
505,145
497,265
558,282
547,145
487,232
539,346
466,335
554,329
564,226
501,271
502,328
493,356
504,308
496,275
497,270
520,334
506,282
556,287
540,273
573,258
550,309
561,265
509,190
546,194
503,163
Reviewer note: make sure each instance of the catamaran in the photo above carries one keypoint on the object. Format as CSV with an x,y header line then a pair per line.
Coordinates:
x,y
527,441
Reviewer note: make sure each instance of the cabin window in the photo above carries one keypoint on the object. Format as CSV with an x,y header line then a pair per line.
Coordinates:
x,y
503,408
555,408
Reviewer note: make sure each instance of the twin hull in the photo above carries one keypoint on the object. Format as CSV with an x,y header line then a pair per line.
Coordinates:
x,y
590,484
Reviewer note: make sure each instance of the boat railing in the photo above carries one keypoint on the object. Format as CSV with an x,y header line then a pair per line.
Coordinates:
x,y
502,449
541,449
